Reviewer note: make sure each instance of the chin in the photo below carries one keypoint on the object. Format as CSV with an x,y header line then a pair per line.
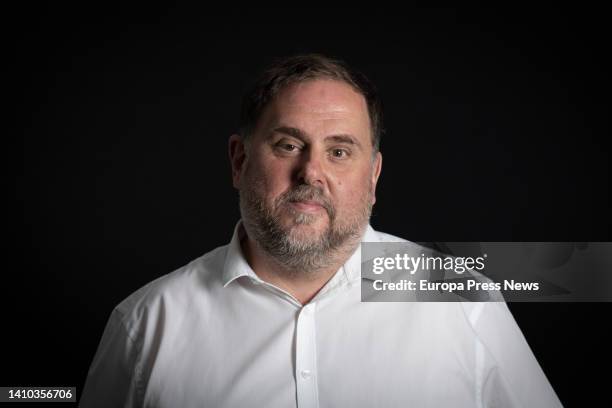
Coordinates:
x,y
303,231
305,239
307,222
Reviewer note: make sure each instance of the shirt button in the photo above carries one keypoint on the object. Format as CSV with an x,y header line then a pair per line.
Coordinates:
x,y
306,374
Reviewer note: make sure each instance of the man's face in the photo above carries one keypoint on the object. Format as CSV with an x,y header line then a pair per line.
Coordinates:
x,y
308,174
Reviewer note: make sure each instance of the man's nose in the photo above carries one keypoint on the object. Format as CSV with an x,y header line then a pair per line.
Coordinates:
x,y
310,170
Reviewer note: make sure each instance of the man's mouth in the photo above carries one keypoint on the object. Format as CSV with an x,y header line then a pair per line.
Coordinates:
x,y
311,206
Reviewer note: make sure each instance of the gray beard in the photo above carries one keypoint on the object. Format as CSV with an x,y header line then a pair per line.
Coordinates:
x,y
298,256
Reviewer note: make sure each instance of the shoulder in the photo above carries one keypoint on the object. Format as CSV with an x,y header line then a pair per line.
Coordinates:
x,y
373,235
173,291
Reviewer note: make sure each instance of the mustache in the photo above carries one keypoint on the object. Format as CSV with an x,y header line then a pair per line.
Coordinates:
x,y
305,192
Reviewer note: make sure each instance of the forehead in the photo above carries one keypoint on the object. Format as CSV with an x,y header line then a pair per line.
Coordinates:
x,y
323,105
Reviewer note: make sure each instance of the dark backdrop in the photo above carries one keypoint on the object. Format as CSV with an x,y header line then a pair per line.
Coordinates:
x,y
118,119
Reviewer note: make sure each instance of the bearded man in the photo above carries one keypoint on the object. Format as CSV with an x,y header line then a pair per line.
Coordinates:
x,y
274,318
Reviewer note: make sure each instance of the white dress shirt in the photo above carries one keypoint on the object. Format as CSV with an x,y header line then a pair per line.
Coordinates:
x,y
213,334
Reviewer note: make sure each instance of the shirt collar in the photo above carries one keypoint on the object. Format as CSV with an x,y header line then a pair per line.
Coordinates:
x,y
236,265
352,267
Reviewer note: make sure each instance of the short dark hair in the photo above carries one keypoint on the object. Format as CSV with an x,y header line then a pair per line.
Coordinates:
x,y
300,68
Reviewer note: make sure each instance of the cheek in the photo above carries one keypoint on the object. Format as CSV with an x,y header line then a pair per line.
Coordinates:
x,y
352,191
270,178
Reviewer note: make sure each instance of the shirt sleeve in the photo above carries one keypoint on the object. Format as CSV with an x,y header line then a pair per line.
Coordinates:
x,y
113,377
507,372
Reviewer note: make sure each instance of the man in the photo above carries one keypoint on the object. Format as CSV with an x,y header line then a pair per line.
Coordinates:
x,y
274,319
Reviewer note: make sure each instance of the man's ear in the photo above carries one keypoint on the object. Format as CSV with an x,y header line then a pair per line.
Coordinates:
x,y
237,156
376,169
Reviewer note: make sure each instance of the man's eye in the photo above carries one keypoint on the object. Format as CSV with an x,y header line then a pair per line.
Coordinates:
x,y
288,147
339,153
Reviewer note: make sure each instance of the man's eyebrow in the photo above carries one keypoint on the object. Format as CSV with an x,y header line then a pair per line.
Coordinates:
x,y
291,131
340,138
347,139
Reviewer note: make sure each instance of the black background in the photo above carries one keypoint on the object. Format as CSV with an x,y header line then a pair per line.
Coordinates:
x,y
118,119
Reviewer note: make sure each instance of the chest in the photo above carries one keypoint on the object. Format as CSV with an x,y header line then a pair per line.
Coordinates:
x,y
327,356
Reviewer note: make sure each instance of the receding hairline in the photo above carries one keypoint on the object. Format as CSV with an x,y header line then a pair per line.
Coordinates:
x,y
288,71
362,102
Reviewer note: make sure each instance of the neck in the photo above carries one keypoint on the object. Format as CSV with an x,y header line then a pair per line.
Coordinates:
x,y
302,285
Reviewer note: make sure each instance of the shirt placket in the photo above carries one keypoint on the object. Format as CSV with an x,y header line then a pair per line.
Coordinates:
x,y
306,358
